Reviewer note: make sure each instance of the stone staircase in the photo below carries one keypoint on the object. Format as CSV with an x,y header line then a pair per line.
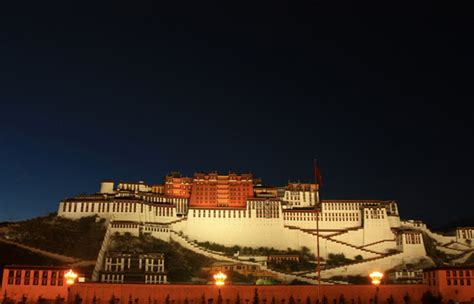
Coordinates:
x,y
378,242
193,246
355,247
462,257
341,243
345,266
103,249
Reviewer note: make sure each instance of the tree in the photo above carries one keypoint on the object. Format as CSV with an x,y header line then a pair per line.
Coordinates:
x,y
358,258
24,299
255,297
113,299
429,298
406,298
390,300
42,300
342,300
77,299
336,259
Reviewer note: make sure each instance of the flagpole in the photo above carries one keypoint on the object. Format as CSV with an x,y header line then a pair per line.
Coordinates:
x,y
316,198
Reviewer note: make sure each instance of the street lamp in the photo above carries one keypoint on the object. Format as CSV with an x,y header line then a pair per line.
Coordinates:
x,y
376,278
219,278
70,277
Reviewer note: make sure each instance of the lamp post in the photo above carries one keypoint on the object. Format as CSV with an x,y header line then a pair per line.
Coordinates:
x,y
219,278
70,277
376,278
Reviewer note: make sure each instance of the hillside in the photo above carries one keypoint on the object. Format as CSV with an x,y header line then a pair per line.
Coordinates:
x,y
75,238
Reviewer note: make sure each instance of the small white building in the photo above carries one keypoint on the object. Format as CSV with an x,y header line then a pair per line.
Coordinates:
x,y
405,276
300,195
465,235
134,268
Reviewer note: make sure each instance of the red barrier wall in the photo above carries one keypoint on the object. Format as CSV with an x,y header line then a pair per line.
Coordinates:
x,y
193,293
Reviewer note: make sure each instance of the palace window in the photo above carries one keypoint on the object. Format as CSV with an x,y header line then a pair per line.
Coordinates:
x,y
44,280
18,277
53,278
60,278
27,277
11,274
35,277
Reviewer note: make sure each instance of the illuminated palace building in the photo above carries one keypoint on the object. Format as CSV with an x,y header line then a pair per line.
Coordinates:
x,y
236,209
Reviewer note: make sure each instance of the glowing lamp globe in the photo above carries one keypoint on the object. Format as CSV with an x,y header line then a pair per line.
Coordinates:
x,y
219,278
70,277
376,277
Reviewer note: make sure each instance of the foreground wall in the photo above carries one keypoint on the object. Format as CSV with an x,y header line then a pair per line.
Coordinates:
x,y
194,293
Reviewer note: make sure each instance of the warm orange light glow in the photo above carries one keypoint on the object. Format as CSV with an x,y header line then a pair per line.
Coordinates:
x,y
219,278
376,277
70,277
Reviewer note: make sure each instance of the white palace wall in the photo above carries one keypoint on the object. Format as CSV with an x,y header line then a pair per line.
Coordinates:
x,y
376,225
202,226
263,223
355,237
121,210
235,227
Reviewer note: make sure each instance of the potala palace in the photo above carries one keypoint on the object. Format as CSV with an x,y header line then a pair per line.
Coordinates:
x,y
238,210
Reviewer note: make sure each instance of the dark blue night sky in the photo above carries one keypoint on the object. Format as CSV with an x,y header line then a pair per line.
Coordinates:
x,y
377,93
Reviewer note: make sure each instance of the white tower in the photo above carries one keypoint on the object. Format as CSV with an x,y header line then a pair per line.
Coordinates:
x,y
107,186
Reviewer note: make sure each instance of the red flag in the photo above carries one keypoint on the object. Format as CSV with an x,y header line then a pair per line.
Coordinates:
x,y
317,174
